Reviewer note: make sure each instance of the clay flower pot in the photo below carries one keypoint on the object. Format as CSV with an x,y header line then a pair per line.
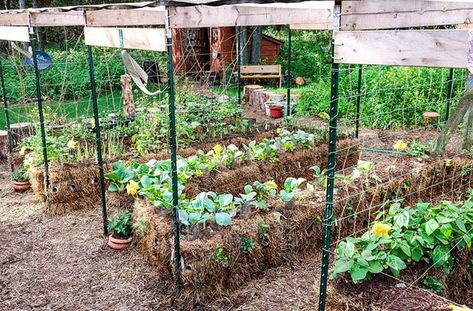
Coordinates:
x,y
21,186
118,243
275,111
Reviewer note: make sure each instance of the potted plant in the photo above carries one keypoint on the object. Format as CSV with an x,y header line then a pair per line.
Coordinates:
x,y
291,187
120,231
20,180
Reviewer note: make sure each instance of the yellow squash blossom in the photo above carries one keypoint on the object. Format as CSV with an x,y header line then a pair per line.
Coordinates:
x,y
448,162
457,308
72,144
218,150
271,185
400,145
379,229
132,187
324,116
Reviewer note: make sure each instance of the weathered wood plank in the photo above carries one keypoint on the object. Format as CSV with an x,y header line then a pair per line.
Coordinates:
x,y
14,33
151,39
385,14
313,26
260,69
14,18
136,17
58,19
308,12
431,48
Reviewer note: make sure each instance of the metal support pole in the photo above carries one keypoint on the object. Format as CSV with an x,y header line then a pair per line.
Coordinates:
x,y
7,115
289,80
449,93
331,164
358,100
41,115
98,139
239,52
173,143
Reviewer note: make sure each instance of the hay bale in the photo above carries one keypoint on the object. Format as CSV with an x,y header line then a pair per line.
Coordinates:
x,y
203,277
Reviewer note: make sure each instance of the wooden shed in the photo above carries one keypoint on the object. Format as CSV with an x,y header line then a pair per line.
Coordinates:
x,y
214,49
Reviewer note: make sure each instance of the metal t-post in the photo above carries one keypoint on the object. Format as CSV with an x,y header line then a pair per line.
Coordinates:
x,y
449,93
331,164
358,100
239,52
98,139
289,80
41,115
7,115
173,143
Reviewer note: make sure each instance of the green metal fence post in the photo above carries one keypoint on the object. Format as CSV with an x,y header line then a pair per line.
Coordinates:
x,y
239,51
449,93
358,99
41,114
7,115
332,159
289,80
173,143
98,139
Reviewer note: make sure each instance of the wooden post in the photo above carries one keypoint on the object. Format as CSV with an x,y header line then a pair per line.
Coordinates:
x,y
127,96
3,145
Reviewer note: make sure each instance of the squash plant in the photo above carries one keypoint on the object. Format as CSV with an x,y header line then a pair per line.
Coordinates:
x,y
291,187
406,236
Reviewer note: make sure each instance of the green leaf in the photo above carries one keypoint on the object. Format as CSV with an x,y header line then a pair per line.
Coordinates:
x,y
440,255
402,220
358,273
431,226
113,187
375,267
395,263
446,230
349,249
461,225
406,249
422,207
223,219
416,253
343,265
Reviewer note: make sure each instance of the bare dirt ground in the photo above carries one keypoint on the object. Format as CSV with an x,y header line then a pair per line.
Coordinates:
x,y
62,263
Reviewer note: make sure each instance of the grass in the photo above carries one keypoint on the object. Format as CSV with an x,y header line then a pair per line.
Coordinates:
x,y
71,109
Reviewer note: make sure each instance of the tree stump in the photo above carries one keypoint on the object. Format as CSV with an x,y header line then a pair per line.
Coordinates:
x,y
127,96
255,96
20,131
3,144
248,89
431,117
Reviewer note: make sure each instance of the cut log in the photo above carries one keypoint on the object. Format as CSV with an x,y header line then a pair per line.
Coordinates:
x,y
431,117
248,90
254,99
3,144
127,96
20,131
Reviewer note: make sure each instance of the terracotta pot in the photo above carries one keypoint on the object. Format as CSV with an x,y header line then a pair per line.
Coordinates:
x,y
118,243
275,111
21,186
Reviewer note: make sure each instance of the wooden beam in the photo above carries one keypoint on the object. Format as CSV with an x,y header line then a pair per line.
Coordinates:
x,y
151,39
308,12
314,26
430,48
385,14
13,33
14,18
58,19
135,17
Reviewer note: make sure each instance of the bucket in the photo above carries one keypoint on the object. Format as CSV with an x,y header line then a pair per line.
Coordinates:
x,y
275,111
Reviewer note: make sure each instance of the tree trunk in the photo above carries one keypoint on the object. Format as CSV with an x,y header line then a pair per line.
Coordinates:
x,y
256,45
245,54
39,30
127,96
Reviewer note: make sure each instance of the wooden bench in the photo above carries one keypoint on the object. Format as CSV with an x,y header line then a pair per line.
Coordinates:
x,y
261,72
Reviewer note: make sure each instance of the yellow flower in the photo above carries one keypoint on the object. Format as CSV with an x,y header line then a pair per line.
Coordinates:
x,y
72,144
271,185
132,187
324,115
218,149
22,151
457,308
399,145
379,229
448,162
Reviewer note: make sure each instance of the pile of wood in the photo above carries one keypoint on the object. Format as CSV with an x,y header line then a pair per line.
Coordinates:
x,y
258,96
